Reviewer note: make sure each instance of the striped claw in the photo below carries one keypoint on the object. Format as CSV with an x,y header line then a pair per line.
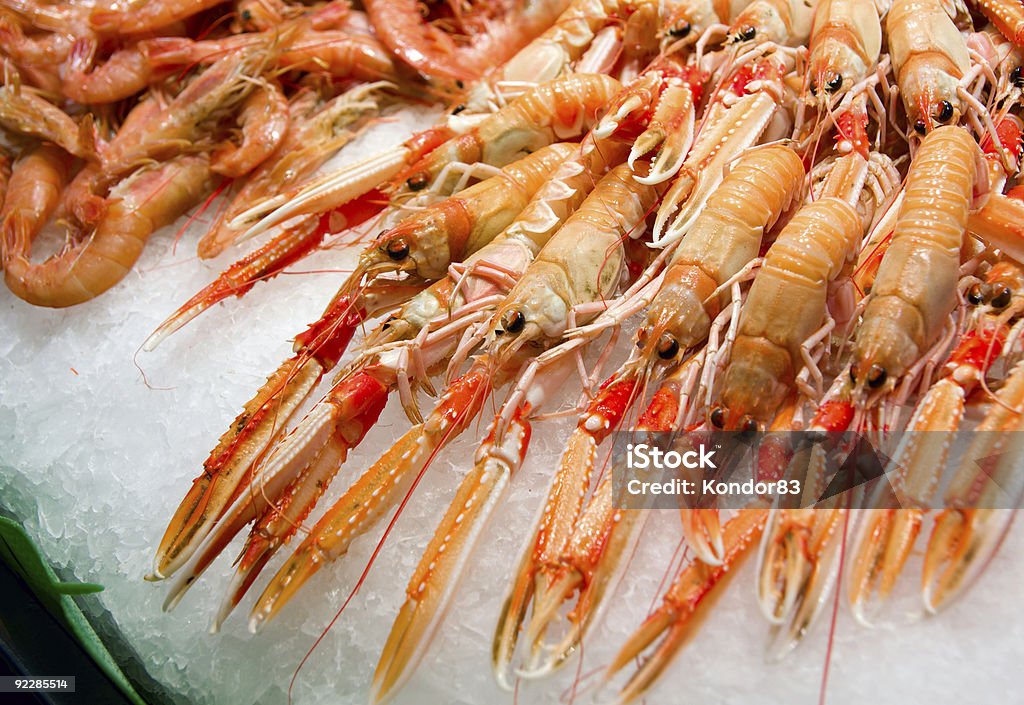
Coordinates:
x,y
961,545
684,606
888,533
376,491
323,195
264,263
287,487
981,500
435,580
228,470
595,559
575,549
889,529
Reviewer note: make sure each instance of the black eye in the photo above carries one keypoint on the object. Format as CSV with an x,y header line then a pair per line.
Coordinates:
x,y
417,182
1015,77
834,84
920,128
397,249
748,33
717,417
876,377
945,111
976,294
1002,298
246,15
668,347
458,109
681,31
513,321
748,425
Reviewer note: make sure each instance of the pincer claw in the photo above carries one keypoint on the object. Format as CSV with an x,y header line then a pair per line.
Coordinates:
x,y
671,133
616,117
577,550
685,605
797,566
980,502
890,528
325,193
703,532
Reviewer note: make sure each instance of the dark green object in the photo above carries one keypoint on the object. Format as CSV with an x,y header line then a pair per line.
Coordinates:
x,y
24,557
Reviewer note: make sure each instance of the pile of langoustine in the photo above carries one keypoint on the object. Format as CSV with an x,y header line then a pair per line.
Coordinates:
x,y
808,207
125,115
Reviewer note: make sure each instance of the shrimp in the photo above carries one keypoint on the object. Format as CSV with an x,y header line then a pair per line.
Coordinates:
x,y
886,536
264,120
147,17
22,111
723,240
930,58
124,74
785,22
49,49
784,316
85,200
32,195
338,53
556,110
141,204
915,289
432,52
846,40
184,123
